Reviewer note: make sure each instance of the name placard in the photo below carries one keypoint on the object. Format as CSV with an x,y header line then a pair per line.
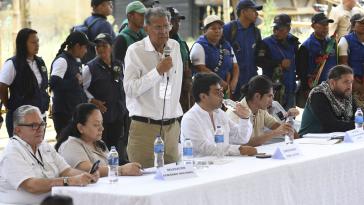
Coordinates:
x,y
175,172
287,151
356,135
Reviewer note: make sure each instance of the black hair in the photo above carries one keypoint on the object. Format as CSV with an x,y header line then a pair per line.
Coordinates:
x,y
258,84
71,40
202,82
29,82
80,115
337,71
57,200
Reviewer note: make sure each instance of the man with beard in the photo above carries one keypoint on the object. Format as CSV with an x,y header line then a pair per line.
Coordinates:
x,y
330,106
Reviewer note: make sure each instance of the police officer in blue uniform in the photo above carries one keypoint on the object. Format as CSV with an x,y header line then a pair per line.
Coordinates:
x,y
317,50
98,24
276,55
103,84
25,76
66,79
212,53
243,36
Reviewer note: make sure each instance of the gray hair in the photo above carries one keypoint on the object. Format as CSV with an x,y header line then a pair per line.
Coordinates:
x,y
22,111
158,12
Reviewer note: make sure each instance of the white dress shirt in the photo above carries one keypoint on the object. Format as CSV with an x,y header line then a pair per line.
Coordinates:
x,y
196,125
17,164
142,82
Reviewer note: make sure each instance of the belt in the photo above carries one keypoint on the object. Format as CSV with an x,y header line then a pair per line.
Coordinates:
x,y
151,121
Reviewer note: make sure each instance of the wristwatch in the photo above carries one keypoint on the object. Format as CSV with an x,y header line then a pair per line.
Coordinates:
x,y
65,181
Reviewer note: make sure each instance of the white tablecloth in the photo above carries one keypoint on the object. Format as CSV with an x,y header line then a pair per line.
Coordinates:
x,y
326,174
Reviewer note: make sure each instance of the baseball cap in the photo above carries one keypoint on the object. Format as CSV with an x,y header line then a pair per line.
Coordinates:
x,y
282,20
149,3
211,19
357,17
244,4
80,38
175,13
95,3
320,18
135,6
103,37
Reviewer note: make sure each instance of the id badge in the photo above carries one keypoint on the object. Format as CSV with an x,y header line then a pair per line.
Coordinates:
x,y
165,90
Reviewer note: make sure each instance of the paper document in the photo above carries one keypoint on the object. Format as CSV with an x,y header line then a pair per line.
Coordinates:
x,y
318,141
324,135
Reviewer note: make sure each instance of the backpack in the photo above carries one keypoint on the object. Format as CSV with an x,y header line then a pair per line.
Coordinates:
x,y
84,28
91,53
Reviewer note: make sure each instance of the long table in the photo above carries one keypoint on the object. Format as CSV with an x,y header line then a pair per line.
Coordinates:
x,y
325,174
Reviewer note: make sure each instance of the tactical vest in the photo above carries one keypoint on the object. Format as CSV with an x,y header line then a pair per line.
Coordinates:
x,y
355,54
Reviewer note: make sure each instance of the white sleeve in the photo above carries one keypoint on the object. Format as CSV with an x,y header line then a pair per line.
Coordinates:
x,y
59,67
343,47
8,72
197,54
136,84
234,57
240,132
86,79
334,15
202,147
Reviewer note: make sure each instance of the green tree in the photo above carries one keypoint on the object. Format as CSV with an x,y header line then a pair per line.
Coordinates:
x,y
269,11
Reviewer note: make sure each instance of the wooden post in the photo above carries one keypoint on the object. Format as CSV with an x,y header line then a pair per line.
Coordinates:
x,y
226,11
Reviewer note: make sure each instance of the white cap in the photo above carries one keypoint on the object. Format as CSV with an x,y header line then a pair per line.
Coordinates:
x,y
211,19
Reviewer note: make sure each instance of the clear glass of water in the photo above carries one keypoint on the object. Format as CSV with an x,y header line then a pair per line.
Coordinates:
x,y
230,104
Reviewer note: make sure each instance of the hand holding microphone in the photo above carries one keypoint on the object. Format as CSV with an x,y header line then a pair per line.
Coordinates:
x,y
166,63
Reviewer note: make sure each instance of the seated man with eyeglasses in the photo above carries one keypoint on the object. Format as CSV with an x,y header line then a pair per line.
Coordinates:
x,y
29,167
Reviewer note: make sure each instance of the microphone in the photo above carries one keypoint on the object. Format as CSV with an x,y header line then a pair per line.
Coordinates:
x,y
166,51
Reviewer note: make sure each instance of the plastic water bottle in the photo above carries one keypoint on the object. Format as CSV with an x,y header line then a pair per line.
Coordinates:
x,y
358,119
158,152
187,152
288,138
113,160
219,140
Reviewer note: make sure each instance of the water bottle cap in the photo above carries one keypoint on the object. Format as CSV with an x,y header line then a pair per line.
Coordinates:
x,y
218,126
113,147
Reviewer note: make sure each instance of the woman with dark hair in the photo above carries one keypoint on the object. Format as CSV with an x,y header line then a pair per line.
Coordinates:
x,y
80,142
25,76
57,200
66,79
258,96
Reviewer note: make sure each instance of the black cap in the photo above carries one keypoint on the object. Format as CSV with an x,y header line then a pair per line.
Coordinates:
x,y
357,18
320,18
78,37
175,13
149,3
244,4
95,3
282,20
103,37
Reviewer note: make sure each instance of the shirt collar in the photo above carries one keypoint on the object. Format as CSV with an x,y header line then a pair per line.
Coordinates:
x,y
244,103
148,46
24,143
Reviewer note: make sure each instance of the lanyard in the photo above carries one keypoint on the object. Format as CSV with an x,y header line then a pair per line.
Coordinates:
x,y
40,162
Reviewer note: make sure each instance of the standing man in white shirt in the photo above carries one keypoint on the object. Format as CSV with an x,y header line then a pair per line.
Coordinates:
x,y
30,167
341,15
200,122
152,84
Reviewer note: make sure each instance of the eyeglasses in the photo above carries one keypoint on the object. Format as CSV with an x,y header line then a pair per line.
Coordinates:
x,y
34,126
162,28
